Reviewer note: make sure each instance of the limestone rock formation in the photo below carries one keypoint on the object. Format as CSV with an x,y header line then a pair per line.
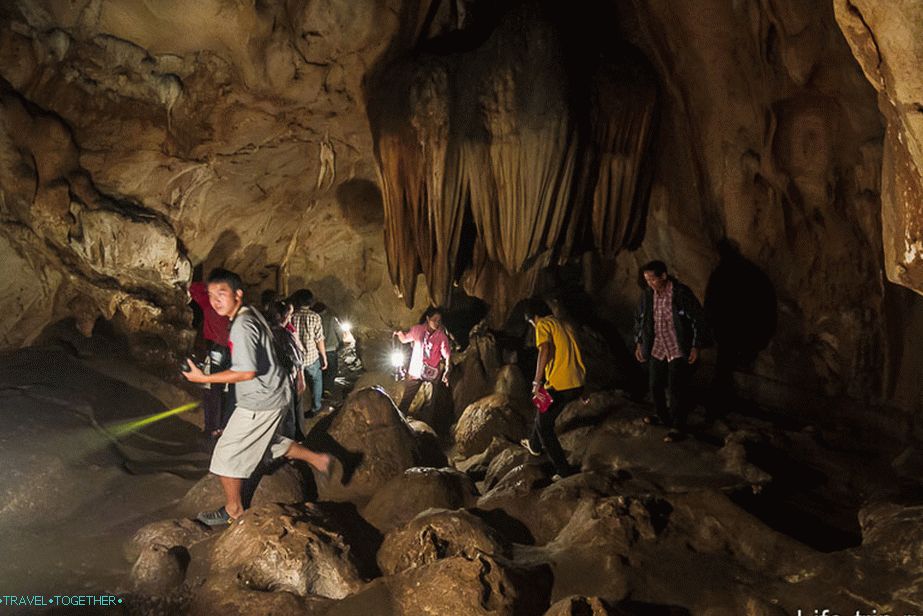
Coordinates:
x,y
137,142
474,369
304,550
455,585
477,465
505,461
769,137
582,606
167,533
415,491
463,143
227,595
438,534
370,429
159,569
885,39
483,420
286,484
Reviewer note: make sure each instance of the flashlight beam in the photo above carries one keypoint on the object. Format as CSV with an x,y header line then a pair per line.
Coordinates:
x,y
127,427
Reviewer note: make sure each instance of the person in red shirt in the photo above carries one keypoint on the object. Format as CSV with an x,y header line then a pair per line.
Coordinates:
x,y
215,330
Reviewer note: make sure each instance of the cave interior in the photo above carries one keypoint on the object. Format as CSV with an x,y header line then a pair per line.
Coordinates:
x,y
393,155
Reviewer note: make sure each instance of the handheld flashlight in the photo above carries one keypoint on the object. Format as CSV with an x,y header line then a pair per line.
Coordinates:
x,y
345,326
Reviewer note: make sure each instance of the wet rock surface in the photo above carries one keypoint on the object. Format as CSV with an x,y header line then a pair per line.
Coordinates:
x,y
372,442
417,490
304,550
485,419
438,534
455,585
285,483
181,532
709,524
159,569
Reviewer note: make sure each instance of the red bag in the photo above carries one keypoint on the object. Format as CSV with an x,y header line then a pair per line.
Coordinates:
x,y
542,399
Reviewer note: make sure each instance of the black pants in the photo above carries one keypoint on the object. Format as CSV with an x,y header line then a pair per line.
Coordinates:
x,y
215,399
333,366
670,379
543,436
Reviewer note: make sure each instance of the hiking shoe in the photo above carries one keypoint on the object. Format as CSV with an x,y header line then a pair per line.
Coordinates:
x,y
218,517
525,443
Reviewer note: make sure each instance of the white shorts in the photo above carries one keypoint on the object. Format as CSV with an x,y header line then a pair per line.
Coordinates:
x,y
244,441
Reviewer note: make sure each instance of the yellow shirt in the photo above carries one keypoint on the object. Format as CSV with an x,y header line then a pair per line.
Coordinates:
x,y
565,369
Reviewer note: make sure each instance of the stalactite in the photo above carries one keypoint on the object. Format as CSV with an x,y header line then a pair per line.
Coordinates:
x,y
400,181
622,115
502,134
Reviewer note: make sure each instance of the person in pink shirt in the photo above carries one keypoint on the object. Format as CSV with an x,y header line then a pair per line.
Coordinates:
x,y
430,349
215,329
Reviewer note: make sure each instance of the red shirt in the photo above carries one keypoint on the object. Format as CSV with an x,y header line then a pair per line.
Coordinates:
x,y
666,345
216,327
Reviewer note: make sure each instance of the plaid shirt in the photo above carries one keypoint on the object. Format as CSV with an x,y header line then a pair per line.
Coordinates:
x,y
666,345
310,331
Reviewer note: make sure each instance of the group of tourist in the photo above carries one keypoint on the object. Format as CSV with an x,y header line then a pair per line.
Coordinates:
x,y
268,361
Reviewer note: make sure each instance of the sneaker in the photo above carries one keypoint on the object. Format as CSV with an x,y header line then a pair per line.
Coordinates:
x,y
556,477
218,517
673,436
525,443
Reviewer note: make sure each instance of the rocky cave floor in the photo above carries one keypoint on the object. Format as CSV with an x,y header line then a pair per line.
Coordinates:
x,y
756,513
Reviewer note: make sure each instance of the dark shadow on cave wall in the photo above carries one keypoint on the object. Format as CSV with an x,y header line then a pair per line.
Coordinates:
x,y
741,307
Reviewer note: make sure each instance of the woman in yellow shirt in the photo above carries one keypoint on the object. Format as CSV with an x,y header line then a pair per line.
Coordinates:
x,y
560,372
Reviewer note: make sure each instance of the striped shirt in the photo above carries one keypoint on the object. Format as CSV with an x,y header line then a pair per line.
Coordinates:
x,y
310,331
666,345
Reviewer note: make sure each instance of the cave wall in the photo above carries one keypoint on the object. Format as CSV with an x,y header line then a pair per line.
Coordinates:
x,y
771,138
141,139
886,40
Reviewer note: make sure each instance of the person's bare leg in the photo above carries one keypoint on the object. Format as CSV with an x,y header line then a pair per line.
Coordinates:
x,y
320,461
231,486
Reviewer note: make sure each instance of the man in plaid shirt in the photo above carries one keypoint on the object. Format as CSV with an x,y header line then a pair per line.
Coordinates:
x,y
670,329
310,332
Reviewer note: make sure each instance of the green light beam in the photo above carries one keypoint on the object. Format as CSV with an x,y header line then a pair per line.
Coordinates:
x,y
127,427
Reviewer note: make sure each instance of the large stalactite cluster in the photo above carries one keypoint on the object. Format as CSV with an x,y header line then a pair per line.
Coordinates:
x,y
499,160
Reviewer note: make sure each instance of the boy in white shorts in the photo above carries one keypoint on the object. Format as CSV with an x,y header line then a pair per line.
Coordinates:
x,y
263,395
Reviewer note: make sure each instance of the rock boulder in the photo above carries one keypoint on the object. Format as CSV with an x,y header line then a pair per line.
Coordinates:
x,y
371,436
438,534
304,550
416,490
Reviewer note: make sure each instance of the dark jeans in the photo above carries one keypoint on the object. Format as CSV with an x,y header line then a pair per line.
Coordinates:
x,y
290,426
216,402
315,380
333,366
543,436
670,379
